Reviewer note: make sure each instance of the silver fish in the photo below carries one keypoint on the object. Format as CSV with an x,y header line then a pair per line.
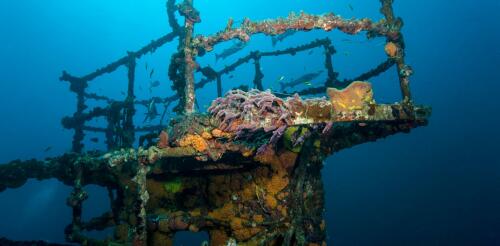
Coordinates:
x,y
152,111
281,37
301,80
230,51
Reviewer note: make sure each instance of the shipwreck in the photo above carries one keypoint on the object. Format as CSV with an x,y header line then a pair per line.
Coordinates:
x,y
248,172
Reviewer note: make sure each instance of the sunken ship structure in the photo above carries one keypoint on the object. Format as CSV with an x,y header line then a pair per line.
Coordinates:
x,y
247,172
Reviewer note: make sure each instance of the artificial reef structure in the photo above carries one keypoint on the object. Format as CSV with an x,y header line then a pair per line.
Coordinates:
x,y
248,171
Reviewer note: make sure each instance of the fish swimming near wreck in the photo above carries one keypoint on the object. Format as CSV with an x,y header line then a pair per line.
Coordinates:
x,y
304,79
276,39
153,84
230,51
152,111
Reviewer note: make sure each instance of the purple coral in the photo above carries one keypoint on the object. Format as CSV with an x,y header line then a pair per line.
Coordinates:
x,y
240,111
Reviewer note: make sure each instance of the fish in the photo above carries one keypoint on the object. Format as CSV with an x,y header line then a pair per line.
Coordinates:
x,y
123,93
231,76
350,7
276,39
281,78
95,140
155,83
301,80
146,66
47,149
152,111
346,40
151,73
308,83
346,53
310,52
230,51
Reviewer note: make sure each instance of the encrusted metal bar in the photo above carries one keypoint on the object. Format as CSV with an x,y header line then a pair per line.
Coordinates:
x,y
155,44
190,18
303,22
257,81
128,136
395,48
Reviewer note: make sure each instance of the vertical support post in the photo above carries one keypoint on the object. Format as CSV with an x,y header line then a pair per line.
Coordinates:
x,y
75,200
257,81
76,122
332,75
189,63
219,86
396,37
77,145
307,200
129,111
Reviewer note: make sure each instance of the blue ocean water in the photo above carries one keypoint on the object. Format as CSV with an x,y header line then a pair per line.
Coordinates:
x,y
438,185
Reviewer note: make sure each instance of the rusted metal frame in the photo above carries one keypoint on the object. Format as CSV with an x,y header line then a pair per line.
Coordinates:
x,y
219,86
404,71
293,50
257,81
172,21
229,68
96,97
137,129
78,86
331,79
128,135
189,69
381,68
75,200
301,22
142,198
155,44
189,63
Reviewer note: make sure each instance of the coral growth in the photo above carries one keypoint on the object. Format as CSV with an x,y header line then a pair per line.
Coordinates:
x,y
195,141
239,111
391,49
355,97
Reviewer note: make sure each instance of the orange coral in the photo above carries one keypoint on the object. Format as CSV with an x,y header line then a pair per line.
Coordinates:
x,y
220,134
248,192
242,232
391,49
288,159
206,135
354,97
195,141
218,237
258,218
278,182
271,201
268,156
224,213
